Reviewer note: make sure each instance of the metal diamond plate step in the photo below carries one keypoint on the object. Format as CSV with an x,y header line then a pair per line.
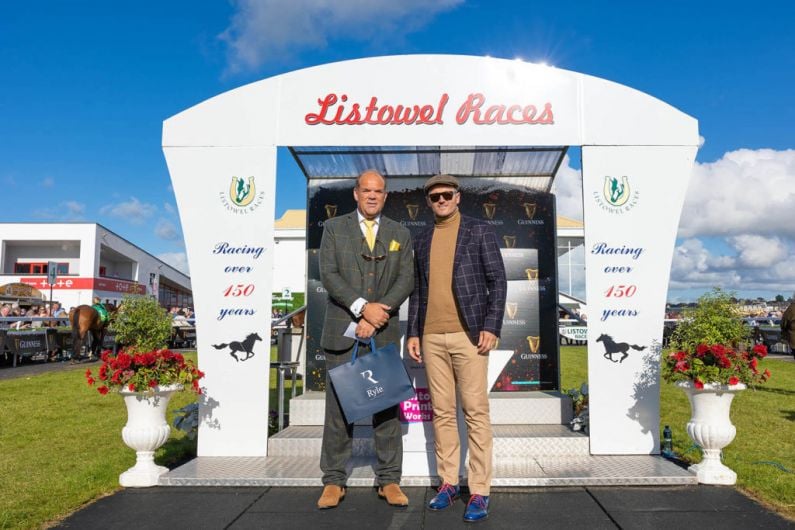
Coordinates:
x,y
509,441
543,471
507,408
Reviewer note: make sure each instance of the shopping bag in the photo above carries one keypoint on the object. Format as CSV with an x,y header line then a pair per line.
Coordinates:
x,y
372,382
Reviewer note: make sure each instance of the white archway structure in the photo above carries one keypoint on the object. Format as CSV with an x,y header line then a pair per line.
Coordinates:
x,y
637,156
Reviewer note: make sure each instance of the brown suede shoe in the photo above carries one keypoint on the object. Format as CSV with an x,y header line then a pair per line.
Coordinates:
x,y
393,495
331,497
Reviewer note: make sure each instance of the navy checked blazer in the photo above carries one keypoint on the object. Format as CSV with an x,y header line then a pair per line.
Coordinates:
x,y
479,285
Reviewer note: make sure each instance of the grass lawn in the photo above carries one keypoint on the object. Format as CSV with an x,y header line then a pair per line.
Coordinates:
x,y
765,421
61,447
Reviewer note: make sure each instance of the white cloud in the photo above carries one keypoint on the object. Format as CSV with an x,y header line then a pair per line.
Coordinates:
x,y
567,188
65,211
48,182
759,265
169,208
745,192
269,30
178,260
758,251
165,229
133,210
744,201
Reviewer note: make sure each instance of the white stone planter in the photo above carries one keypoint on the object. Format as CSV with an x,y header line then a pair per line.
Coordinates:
x,y
146,430
711,428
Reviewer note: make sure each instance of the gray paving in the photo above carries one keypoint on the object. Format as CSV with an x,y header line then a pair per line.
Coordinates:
x,y
702,507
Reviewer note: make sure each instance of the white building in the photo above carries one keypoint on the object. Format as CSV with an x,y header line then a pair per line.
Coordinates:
x,y
289,248
90,261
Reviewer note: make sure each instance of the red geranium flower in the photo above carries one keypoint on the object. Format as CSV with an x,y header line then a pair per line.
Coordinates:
x,y
102,390
698,383
701,349
682,366
760,350
733,380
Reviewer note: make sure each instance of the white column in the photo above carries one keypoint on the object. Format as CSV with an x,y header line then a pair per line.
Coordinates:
x,y
226,204
632,201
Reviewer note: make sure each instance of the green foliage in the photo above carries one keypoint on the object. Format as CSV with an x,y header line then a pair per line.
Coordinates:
x,y
142,324
714,320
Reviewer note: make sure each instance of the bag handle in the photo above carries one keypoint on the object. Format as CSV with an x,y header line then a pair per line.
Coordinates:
x,y
356,349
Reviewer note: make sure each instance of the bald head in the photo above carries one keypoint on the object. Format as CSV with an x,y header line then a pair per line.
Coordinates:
x,y
370,193
369,174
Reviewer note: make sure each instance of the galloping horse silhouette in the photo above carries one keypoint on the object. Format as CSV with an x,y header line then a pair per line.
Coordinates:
x,y
612,347
242,347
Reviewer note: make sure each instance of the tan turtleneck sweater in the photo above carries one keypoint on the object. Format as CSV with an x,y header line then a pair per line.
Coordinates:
x,y
442,313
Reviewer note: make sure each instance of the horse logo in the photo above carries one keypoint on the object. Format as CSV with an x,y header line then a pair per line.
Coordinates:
x,y
616,192
242,193
612,347
245,346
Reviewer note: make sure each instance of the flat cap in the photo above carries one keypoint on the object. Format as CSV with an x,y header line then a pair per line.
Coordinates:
x,y
447,180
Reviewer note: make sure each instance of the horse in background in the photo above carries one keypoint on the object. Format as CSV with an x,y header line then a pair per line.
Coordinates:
x,y
85,320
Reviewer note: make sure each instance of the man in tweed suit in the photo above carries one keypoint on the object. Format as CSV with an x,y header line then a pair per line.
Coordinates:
x,y
455,318
366,266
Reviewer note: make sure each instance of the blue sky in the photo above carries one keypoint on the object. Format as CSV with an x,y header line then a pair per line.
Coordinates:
x,y
86,85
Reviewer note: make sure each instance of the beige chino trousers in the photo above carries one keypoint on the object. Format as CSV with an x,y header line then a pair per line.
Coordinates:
x,y
452,361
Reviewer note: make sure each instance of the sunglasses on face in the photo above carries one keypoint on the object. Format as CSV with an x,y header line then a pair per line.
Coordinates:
x,y
377,254
448,196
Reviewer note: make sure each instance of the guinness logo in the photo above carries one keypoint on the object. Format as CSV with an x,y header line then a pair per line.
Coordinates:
x,y
529,209
489,209
532,274
511,308
413,210
510,241
331,210
534,343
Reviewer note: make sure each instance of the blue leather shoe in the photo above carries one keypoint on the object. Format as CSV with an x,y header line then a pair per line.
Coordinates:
x,y
445,497
477,509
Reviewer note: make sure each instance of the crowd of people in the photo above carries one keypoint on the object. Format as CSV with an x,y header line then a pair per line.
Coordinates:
x,y
35,311
181,317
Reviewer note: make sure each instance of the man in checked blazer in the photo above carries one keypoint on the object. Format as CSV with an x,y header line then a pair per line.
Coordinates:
x,y
366,266
455,318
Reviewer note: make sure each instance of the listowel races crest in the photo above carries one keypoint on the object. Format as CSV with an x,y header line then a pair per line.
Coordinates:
x,y
242,196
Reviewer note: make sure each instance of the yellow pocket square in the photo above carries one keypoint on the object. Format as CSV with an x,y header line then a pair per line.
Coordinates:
x,y
394,246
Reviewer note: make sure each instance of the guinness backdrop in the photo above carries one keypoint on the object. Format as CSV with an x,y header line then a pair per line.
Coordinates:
x,y
525,224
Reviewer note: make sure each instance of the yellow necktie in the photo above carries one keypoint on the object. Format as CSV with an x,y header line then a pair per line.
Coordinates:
x,y
369,233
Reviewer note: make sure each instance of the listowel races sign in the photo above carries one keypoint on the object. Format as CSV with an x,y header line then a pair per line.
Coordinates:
x,y
337,110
